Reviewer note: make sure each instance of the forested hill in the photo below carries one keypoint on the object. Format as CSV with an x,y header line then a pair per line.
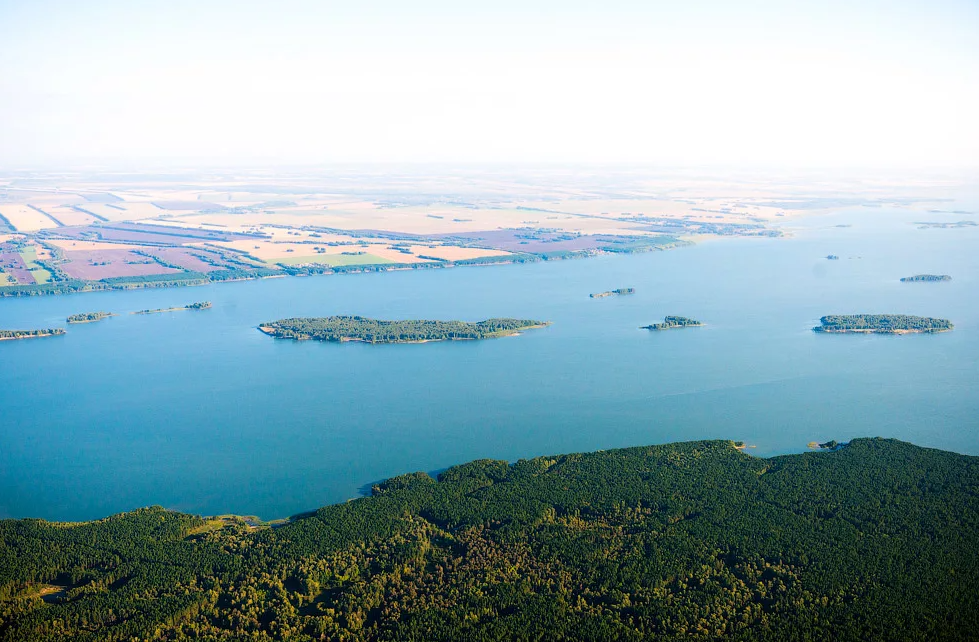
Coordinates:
x,y
874,541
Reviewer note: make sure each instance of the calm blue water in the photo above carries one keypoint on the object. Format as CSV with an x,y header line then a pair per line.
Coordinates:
x,y
198,411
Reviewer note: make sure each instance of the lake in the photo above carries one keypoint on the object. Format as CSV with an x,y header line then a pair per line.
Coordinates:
x,y
198,411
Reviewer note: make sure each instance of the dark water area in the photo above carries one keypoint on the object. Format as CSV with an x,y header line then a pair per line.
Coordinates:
x,y
199,411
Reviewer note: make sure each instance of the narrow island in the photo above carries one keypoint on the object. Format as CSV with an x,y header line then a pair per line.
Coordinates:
x,y
917,278
10,335
673,322
89,317
200,305
833,257
355,328
881,324
599,295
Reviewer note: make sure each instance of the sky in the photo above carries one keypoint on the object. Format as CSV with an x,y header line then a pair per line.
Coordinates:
x,y
722,82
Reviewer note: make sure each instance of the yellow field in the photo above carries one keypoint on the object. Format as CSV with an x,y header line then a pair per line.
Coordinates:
x,y
272,252
69,216
24,219
454,253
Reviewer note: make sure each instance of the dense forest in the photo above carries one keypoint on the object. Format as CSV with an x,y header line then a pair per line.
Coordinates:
x,y
30,334
88,317
875,540
354,328
881,323
926,277
671,322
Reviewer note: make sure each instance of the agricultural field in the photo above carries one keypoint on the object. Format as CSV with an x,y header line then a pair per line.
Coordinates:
x,y
23,218
69,215
335,260
125,230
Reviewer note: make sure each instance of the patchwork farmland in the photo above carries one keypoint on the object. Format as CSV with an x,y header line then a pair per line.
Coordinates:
x,y
124,231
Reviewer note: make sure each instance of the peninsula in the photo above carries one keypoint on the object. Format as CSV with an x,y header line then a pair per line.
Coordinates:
x,y
881,324
10,335
599,295
200,305
89,317
671,322
874,539
355,328
926,277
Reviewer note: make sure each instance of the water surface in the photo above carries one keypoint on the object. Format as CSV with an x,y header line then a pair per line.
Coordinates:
x,y
198,411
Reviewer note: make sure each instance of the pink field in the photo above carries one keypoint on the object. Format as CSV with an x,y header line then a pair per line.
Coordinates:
x,y
13,264
186,258
117,263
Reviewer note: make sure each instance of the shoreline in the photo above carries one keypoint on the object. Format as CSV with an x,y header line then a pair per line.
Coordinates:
x,y
34,336
254,521
818,330
99,286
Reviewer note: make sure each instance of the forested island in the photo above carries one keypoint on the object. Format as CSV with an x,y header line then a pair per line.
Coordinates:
x,y
599,295
9,335
200,305
926,277
355,328
881,324
875,540
671,322
89,317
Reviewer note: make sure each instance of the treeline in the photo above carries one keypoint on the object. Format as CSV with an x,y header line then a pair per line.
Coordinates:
x,y
69,286
88,317
881,323
872,541
30,334
926,277
356,328
670,322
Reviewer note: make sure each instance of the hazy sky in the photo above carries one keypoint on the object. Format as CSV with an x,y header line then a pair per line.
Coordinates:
x,y
680,82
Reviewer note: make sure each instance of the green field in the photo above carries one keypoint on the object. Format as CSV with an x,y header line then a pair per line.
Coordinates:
x,y
41,276
29,255
334,260
6,279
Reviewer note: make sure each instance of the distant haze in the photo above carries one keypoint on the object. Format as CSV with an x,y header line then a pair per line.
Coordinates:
x,y
765,83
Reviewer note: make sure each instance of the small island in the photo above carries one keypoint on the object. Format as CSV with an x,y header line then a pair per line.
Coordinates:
x,y
10,335
89,317
200,305
832,444
917,278
673,322
833,257
355,328
599,295
881,324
